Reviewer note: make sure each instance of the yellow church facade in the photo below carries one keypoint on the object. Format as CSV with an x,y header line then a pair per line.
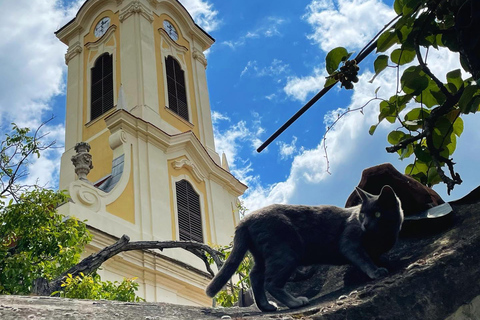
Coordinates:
x,y
137,94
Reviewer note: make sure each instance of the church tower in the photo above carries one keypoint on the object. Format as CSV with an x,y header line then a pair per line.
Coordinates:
x,y
137,94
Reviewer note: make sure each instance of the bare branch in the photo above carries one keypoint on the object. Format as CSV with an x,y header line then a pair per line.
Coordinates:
x,y
94,261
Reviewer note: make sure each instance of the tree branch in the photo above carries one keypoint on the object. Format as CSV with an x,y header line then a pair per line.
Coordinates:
x,y
94,261
402,144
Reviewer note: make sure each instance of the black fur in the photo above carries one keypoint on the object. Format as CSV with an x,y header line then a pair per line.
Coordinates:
x,y
283,237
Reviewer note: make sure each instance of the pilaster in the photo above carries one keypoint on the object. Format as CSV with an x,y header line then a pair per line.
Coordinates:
x,y
203,102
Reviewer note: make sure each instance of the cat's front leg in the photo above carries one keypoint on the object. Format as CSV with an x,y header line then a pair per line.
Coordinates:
x,y
352,250
359,258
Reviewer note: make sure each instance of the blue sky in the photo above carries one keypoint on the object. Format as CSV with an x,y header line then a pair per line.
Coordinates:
x,y
268,60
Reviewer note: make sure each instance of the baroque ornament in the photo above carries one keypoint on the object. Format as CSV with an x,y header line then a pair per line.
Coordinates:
x,y
82,161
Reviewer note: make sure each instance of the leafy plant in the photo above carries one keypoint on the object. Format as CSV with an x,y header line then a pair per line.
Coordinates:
x,y
36,241
92,287
230,295
428,110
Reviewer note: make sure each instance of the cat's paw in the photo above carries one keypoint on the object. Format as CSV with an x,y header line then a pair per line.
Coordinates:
x,y
379,273
267,307
298,302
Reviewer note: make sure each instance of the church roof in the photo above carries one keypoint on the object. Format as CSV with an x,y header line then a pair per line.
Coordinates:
x,y
83,5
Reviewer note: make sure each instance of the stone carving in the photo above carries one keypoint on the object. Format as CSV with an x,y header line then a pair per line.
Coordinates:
x,y
82,161
72,52
178,164
136,7
198,55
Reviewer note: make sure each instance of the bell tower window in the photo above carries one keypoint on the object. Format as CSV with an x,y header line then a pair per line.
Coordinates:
x,y
189,213
101,86
177,94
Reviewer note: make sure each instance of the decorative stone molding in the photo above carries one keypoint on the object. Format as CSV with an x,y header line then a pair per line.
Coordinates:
x,y
89,198
198,55
153,3
73,51
178,164
102,40
82,161
179,49
135,7
117,139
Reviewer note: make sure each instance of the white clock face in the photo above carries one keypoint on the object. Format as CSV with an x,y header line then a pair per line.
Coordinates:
x,y
102,27
170,30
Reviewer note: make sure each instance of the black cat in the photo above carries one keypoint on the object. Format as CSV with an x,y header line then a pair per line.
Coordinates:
x,y
283,237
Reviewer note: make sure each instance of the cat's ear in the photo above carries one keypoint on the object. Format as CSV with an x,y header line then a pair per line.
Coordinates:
x,y
387,195
364,195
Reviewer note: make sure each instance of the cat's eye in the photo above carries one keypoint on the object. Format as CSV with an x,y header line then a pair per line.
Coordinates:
x,y
377,214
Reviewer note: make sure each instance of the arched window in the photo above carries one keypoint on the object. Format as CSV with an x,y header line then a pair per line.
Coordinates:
x,y
102,86
177,94
189,213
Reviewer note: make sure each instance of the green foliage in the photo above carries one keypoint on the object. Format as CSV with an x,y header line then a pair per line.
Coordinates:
x,y
229,296
92,287
429,128
36,241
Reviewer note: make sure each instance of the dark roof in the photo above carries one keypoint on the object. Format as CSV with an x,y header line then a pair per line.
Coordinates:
x,y
68,23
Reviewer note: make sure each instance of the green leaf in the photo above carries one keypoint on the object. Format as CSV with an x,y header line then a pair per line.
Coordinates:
x,y
380,63
410,6
372,129
455,77
398,6
333,59
414,80
458,126
395,137
406,152
432,96
433,177
469,101
402,56
386,40
330,81
422,154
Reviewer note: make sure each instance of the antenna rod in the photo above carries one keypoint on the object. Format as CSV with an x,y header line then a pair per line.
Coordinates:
x,y
295,117
310,103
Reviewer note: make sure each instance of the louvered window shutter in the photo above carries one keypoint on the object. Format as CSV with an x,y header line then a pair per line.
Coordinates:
x,y
177,94
102,86
189,213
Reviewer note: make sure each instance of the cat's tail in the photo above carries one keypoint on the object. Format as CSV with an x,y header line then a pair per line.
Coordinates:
x,y
240,246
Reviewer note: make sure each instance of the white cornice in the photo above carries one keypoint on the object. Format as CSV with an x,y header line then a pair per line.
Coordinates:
x,y
136,7
198,55
171,144
73,51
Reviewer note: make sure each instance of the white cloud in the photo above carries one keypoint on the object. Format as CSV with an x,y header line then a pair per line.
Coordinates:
x,y
346,23
276,69
217,117
33,66
235,137
288,150
299,88
269,27
203,14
